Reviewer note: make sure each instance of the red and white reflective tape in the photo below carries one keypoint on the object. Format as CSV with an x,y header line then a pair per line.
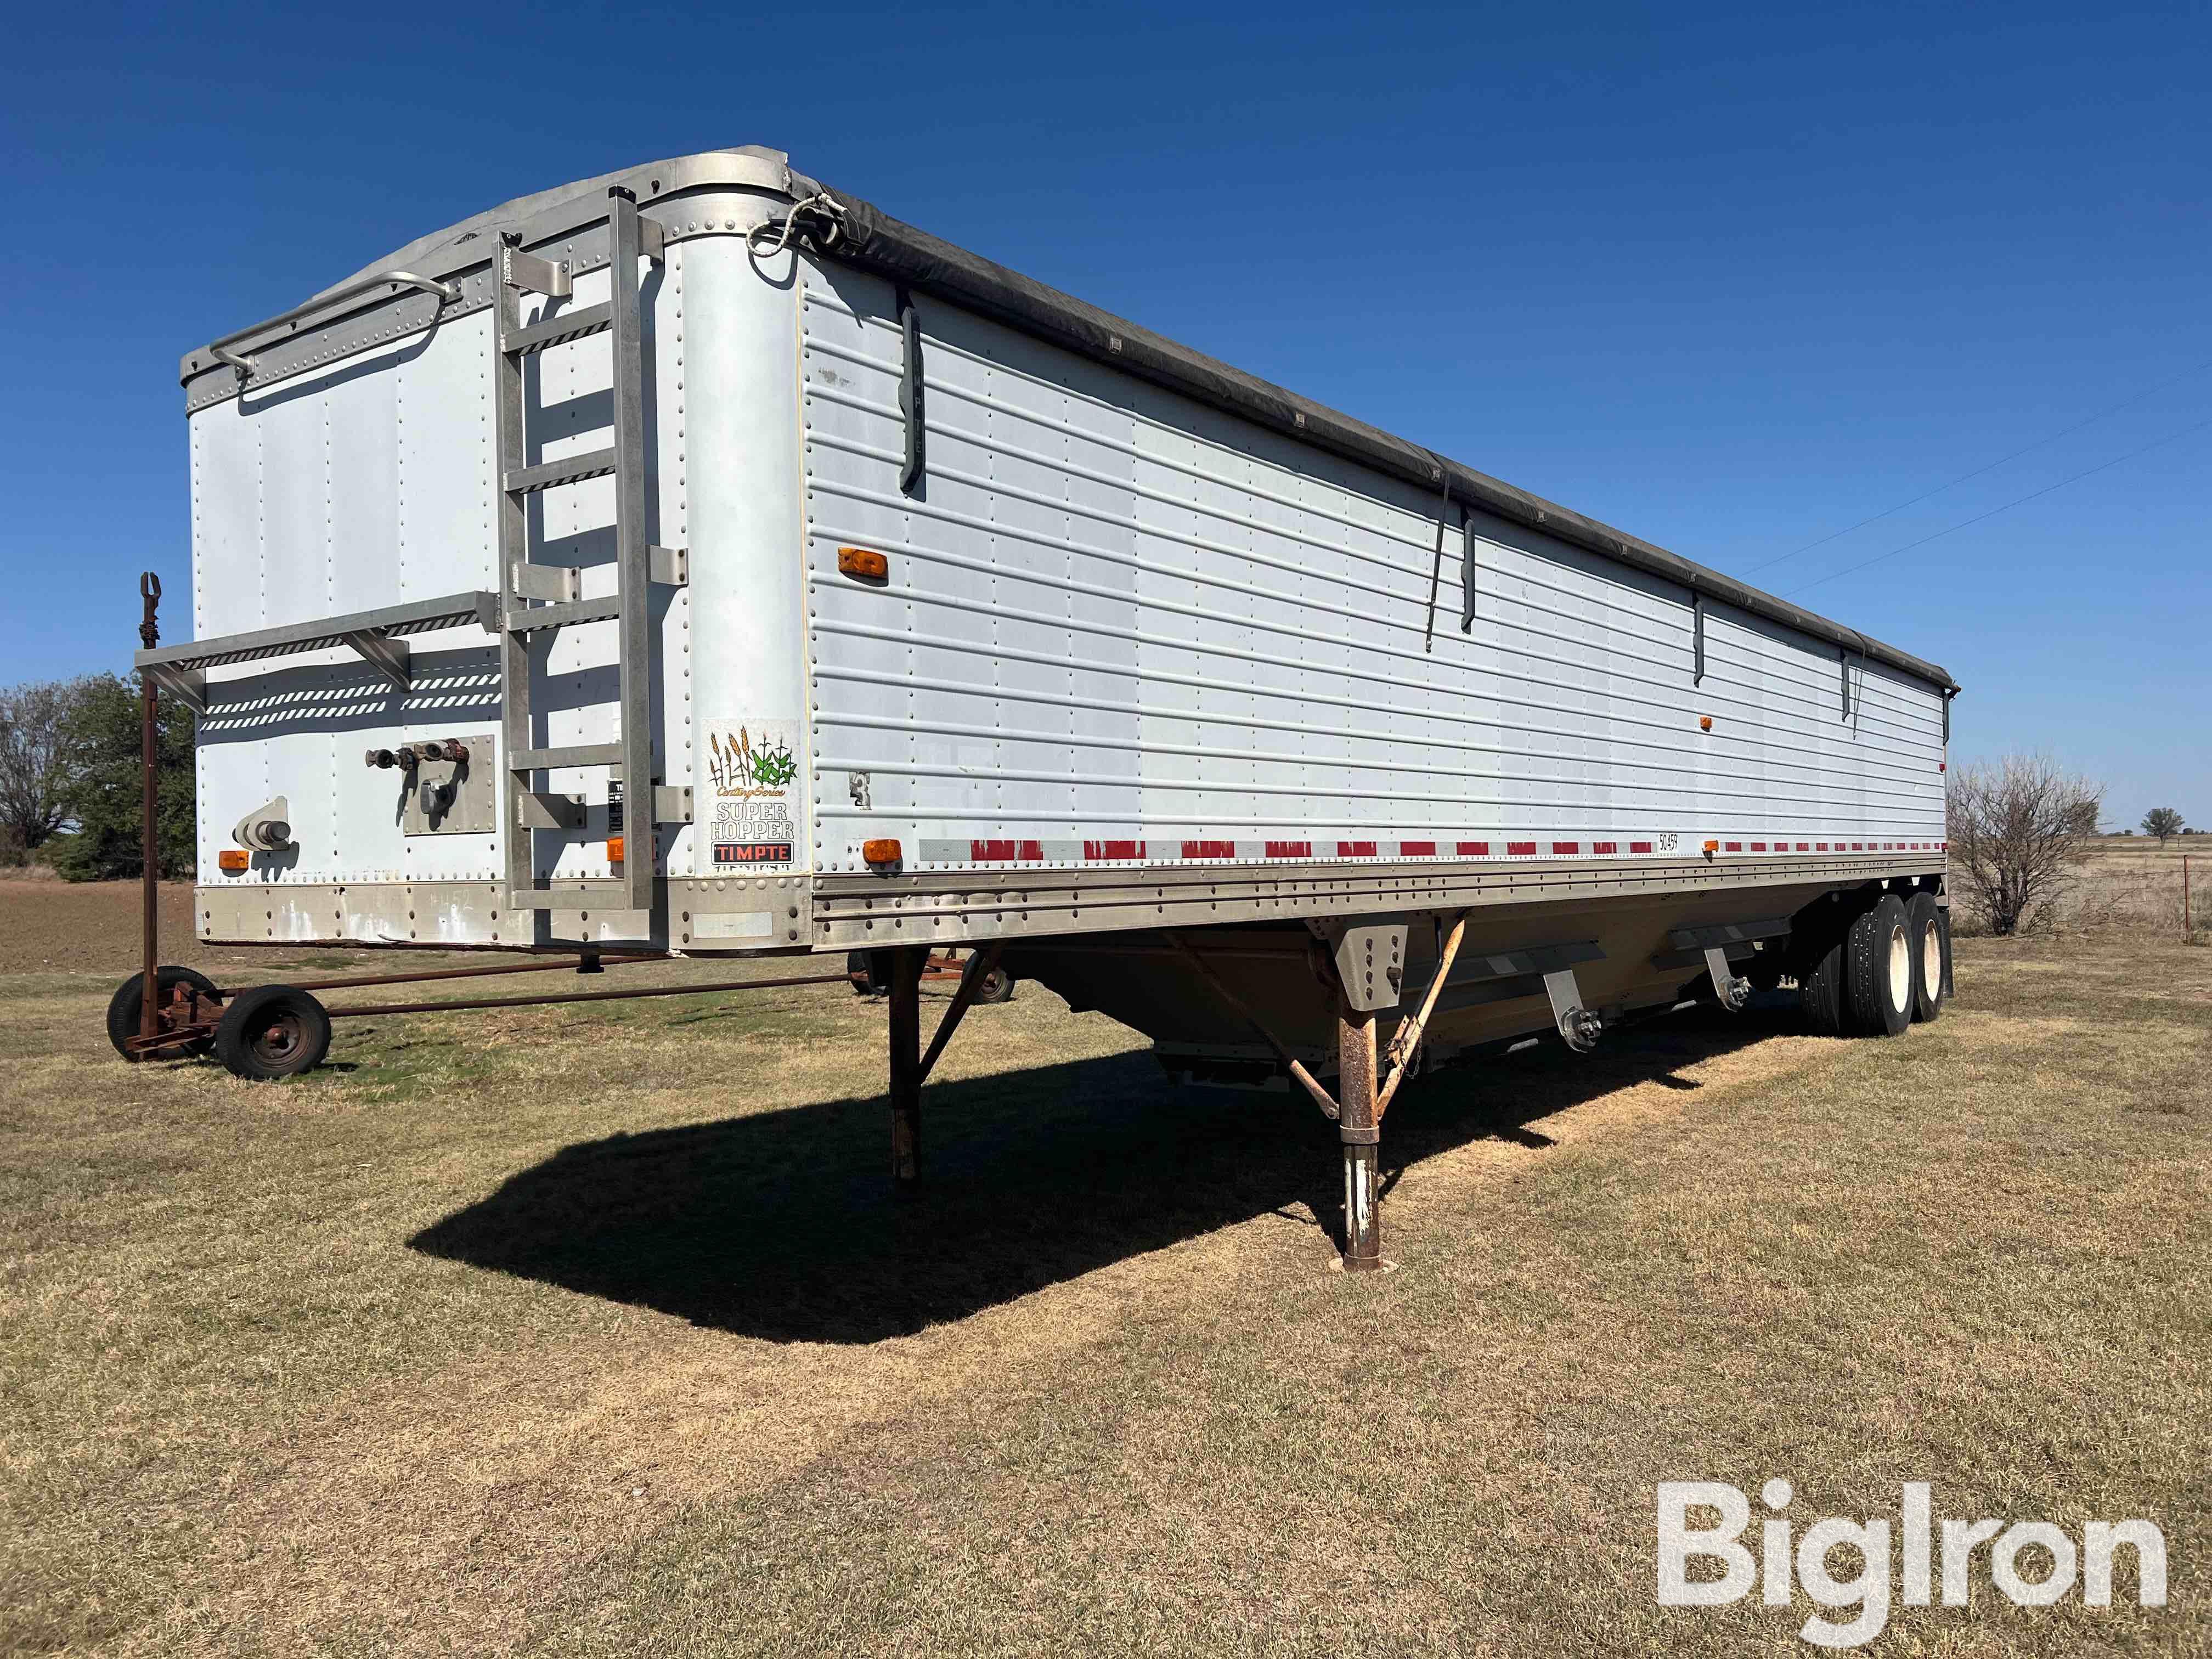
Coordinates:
x,y
1339,849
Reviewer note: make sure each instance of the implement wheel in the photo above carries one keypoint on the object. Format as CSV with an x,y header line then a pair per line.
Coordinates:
x,y
272,1031
124,1006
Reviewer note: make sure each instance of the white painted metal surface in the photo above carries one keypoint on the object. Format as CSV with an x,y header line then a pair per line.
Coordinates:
x,y
1123,628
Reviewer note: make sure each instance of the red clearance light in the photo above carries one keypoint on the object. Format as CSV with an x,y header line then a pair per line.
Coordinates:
x,y
881,852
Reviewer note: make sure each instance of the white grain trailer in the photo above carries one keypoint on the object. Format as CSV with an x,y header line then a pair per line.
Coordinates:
x,y
698,560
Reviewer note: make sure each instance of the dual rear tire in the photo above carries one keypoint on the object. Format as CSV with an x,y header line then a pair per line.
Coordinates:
x,y
1889,966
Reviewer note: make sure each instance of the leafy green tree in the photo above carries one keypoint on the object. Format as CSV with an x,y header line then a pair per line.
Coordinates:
x,y
2162,821
99,743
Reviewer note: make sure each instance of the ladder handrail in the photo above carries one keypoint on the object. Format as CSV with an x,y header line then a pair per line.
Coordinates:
x,y
221,350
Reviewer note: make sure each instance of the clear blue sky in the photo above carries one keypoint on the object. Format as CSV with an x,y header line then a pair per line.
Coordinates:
x,y
1729,278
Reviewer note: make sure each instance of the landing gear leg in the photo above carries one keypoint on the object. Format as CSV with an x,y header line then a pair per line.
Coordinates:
x,y
1356,1127
906,963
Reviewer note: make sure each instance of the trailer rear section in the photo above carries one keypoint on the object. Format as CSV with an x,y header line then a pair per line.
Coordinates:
x,y
698,561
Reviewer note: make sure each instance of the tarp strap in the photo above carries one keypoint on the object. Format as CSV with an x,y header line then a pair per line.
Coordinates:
x,y
1435,573
910,394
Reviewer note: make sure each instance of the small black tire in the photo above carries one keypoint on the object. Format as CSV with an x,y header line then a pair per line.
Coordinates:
x,y
1820,991
124,1007
272,1031
997,986
1931,955
1877,969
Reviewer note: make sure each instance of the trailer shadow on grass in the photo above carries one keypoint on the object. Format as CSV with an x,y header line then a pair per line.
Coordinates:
x,y
783,1224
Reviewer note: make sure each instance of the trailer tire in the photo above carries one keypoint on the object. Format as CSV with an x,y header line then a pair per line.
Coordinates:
x,y
272,1031
997,986
1821,989
1878,978
1931,956
124,1006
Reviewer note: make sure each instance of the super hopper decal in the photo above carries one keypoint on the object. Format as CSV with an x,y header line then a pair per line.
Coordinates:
x,y
752,773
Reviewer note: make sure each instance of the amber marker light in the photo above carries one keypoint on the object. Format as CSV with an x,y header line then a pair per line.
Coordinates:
x,y
1712,846
1704,722
863,564
232,860
880,852
614,850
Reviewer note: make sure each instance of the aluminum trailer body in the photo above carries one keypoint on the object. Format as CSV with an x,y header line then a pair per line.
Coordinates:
x,y
860,594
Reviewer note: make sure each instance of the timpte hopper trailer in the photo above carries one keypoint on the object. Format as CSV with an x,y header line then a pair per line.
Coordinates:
x,y
696,561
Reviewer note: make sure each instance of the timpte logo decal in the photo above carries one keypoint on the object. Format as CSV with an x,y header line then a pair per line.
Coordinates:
x,y
751,769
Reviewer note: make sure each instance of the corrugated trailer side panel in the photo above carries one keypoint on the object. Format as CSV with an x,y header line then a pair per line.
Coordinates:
x,y
1122,626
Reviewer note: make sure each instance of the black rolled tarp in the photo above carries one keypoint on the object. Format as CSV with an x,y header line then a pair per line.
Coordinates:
x,y
864,235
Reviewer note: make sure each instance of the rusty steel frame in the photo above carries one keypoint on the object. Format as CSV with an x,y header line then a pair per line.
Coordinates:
x,y
1406,1043
370,1008
150,874
581,963
1361,1135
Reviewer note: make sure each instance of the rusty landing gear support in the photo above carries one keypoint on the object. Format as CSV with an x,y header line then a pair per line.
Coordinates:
x,y
1364,967
910,1065
1358,1126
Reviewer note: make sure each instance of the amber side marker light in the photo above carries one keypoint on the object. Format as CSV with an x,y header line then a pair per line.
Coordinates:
x,y
1704,722
862,563
880,852
1712,846
614,850
232,860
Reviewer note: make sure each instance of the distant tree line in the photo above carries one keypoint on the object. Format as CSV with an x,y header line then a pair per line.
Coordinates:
x,y
70,779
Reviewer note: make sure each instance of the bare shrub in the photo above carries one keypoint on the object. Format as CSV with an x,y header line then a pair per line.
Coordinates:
x,y
2017,836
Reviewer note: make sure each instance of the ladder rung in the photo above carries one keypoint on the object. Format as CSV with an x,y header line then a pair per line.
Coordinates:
x,y
559,330
582,754
539,617
550,475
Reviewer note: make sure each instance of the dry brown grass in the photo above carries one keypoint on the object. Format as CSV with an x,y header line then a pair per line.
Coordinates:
x,y
2131,884
596,1331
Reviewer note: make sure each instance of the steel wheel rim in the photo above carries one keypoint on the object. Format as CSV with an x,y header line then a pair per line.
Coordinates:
x,y
1931,962
278,1038
1900,968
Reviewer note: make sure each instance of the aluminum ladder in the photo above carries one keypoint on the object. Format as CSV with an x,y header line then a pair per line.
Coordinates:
x,y
536,598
